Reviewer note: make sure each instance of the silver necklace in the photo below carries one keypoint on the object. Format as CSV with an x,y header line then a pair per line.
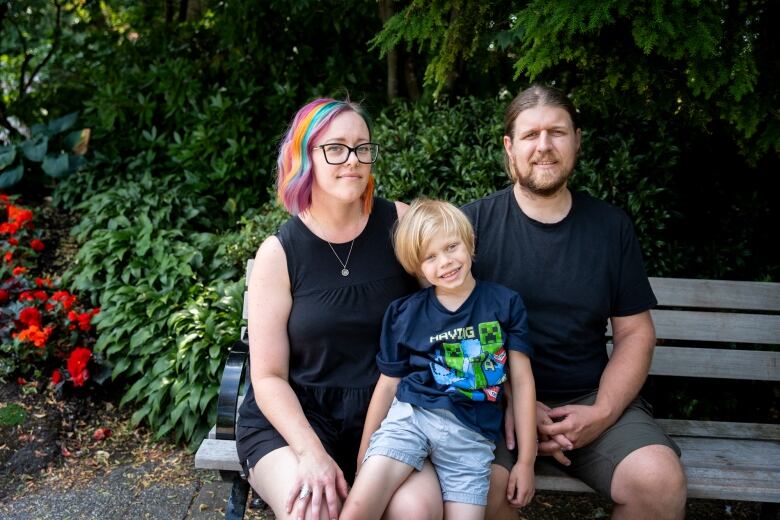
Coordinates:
x,y
344,270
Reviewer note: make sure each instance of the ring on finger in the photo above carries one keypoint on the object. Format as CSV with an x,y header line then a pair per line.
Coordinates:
x,y
305,492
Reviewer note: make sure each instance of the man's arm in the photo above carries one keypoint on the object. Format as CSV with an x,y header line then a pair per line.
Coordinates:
x,y
633,338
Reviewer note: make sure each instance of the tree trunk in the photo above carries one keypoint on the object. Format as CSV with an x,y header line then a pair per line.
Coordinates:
x,y
195,9
385,12
183,8
168,11
410,79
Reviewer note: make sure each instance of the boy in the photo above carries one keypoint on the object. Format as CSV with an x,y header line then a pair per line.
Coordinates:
x,y
442,359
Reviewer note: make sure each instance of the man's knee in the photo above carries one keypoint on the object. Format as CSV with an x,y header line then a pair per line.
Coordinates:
x,y
651,474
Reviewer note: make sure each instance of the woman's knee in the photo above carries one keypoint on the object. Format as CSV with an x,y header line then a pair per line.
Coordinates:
x,y
273,477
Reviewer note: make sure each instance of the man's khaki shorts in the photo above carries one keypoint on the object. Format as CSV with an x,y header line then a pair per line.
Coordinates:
x,y
595,463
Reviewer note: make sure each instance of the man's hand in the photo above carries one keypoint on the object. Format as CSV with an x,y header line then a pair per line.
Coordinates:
x,y
580,424
553,445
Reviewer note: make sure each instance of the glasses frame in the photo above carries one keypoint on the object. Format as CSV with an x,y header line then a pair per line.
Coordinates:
x,y
350,150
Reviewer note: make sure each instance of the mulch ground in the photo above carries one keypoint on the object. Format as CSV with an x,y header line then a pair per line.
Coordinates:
x,y
62,443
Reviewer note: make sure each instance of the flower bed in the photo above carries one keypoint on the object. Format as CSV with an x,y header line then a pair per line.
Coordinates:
x,y
45,332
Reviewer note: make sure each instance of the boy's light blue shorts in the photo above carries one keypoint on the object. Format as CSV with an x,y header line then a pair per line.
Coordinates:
x,y
461,456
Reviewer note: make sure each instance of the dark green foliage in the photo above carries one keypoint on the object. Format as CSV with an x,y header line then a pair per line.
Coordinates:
x,y
691,62
47,152
448,30
450,152
11,414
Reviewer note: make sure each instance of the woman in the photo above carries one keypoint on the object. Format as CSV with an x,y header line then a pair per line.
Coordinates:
x,y
317,295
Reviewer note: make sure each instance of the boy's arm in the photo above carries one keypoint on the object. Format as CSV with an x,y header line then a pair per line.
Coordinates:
x,y
521,479
382,398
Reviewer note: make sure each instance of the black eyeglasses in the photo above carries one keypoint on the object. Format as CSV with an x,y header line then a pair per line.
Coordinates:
x,y
337,153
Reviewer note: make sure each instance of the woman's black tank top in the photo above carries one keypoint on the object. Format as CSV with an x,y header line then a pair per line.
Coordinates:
x,y
335,320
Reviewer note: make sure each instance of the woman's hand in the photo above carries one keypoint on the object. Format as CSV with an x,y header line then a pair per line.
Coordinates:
x,y
318,476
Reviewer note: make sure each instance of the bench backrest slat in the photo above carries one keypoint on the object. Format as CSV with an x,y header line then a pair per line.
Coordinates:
x,y
718,363
717,294
721,327
724,327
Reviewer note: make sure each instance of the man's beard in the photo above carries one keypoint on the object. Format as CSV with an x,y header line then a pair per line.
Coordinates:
x,y
540,185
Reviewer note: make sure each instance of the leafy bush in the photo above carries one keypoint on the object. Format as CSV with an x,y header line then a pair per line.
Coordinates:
x,y
450,152
46,152
176,392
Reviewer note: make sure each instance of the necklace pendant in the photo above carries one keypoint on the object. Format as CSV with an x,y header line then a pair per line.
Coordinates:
x,y
345,272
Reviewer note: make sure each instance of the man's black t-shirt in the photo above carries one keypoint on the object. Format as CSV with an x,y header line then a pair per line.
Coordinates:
x,y
572,275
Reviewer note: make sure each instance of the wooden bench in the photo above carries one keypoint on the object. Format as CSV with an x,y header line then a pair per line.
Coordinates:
x,y
705,328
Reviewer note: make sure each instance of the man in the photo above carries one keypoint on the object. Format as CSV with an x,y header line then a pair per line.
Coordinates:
x,y
576,262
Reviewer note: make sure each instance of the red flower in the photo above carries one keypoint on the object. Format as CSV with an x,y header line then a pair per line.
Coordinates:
x,y
84,318
18,270
34,334
77,365
30,316
21,381
9,228
33,295
56,377
9,256
42,282
37,245
19,215
66,299
13,241
4,296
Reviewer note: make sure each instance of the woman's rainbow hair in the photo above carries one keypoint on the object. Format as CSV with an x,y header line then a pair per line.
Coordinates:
x,y
294,166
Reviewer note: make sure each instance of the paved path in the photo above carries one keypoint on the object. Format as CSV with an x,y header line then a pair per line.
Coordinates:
x,y
118,495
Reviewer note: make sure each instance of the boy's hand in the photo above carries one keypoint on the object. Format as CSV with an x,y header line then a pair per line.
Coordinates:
x,y
521,488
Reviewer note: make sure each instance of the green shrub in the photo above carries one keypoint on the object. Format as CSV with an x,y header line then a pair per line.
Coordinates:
x,y
450,152
47,153
176,393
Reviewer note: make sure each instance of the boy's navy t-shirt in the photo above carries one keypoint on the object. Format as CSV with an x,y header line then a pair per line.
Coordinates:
x,y
455,360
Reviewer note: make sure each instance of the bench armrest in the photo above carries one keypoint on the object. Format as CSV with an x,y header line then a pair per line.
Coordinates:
x,y
232,378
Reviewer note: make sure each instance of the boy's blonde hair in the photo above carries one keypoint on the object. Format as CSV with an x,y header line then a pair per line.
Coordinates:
x,y
425,219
